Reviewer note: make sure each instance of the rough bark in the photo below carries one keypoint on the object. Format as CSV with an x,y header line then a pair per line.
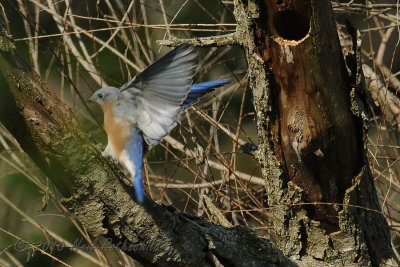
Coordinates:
x,y
98,193
312,130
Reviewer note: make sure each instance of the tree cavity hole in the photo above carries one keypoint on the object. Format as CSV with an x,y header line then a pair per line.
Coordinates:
x,y
290,25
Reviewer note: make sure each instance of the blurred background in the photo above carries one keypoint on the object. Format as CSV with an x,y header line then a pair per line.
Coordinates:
x,y
79,46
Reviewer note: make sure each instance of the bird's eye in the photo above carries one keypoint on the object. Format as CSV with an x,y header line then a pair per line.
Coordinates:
x,y
101,96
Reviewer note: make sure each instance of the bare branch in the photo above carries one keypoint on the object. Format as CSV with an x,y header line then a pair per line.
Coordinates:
x,y
389,102
220,40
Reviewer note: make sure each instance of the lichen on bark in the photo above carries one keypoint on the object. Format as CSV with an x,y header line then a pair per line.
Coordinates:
x,y
296,83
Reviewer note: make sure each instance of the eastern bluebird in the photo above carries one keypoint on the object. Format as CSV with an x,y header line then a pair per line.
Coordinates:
x,y
148,107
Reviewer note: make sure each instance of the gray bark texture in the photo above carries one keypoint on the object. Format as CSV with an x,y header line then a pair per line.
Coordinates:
x,y
312,132
312,128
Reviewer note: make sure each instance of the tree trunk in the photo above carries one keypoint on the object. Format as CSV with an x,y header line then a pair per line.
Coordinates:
x,y
312,129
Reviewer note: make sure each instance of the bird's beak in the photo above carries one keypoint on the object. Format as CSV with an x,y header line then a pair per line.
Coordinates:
x,y
90,100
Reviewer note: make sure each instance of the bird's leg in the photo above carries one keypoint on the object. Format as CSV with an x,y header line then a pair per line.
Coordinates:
x,y
108,153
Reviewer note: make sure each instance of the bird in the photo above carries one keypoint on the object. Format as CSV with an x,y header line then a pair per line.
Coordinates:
x,y
144,110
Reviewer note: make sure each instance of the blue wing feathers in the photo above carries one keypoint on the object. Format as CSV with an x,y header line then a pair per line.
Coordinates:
x,y
209,84
134,150
198,90
134,147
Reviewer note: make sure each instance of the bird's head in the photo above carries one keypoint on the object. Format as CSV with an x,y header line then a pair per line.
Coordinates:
x,y
104,95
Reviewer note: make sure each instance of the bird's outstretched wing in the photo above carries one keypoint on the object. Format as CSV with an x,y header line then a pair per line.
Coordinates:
x,y
152,99
198,90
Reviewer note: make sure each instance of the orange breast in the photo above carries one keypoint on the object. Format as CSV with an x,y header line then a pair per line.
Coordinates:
x,y
118,131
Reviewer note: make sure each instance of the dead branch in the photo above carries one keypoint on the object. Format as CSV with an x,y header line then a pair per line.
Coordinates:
x,y
383,98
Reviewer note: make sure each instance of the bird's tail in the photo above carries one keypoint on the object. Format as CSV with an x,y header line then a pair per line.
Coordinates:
x,y
134,164
197,90
139,190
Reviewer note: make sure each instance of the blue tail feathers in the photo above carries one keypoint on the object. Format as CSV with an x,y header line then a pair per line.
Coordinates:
x,y
134,150
139,190
197,90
